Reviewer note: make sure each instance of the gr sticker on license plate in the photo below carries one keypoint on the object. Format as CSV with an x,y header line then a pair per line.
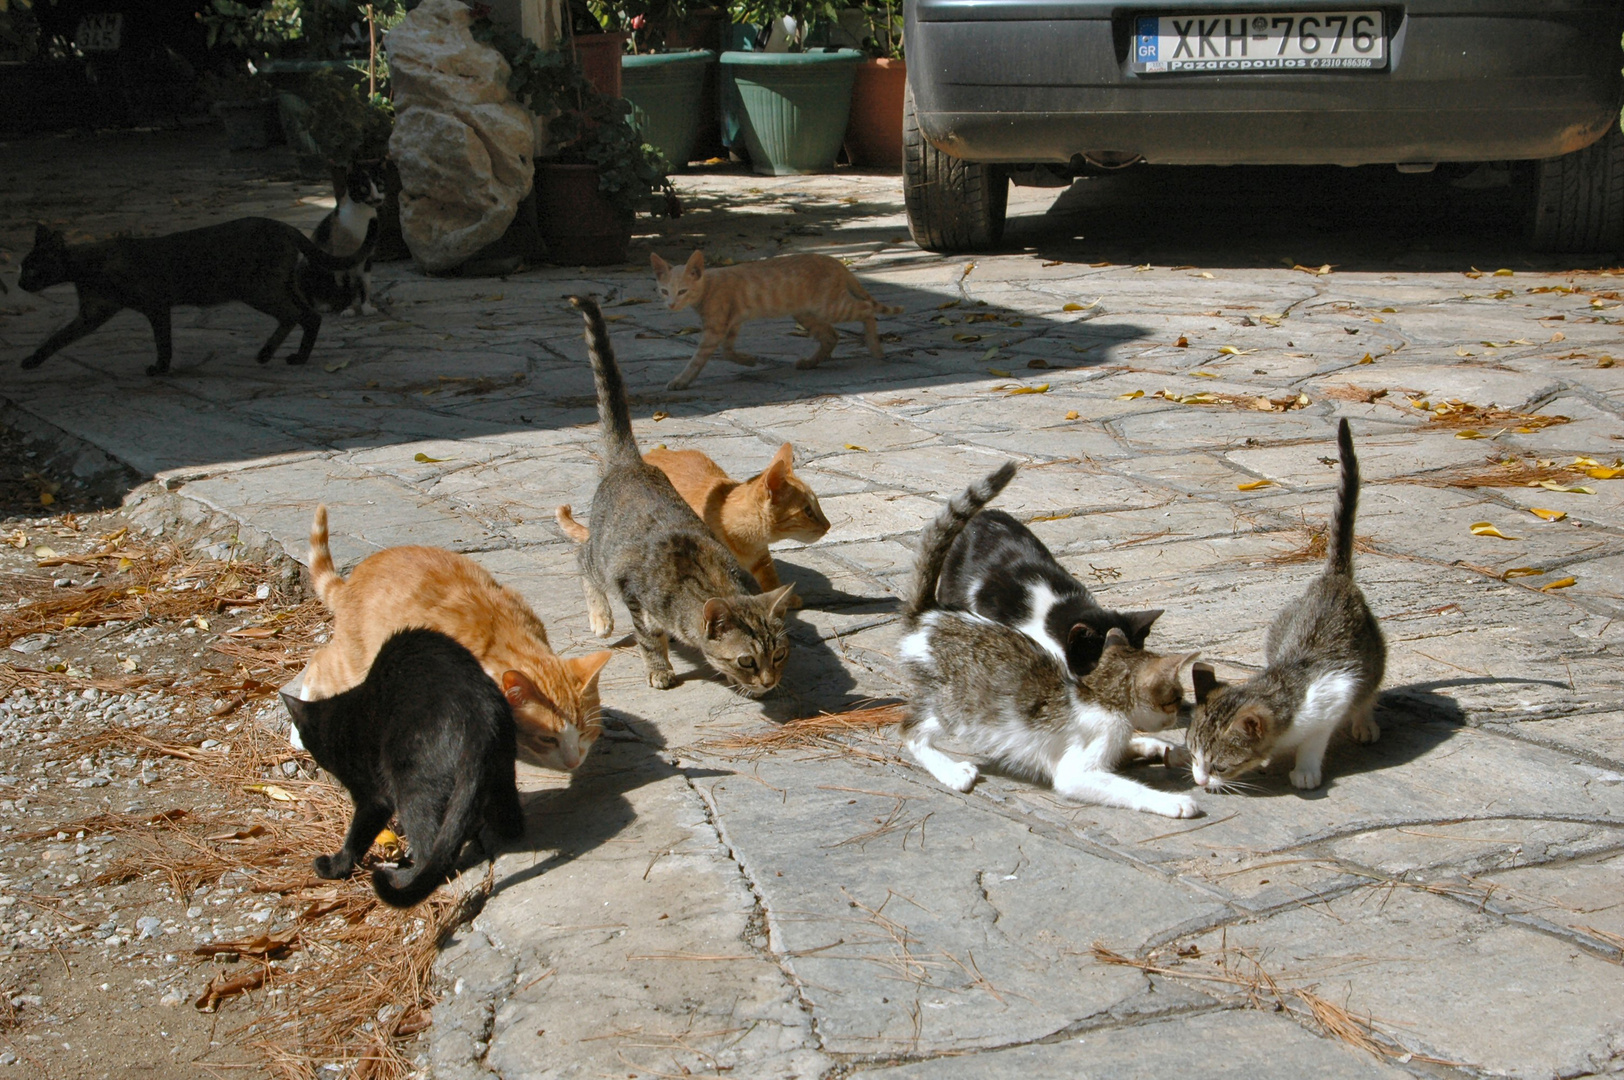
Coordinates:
x,y
100,32
1260,42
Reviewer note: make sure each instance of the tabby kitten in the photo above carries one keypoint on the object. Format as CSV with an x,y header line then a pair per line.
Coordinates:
x,y
1010,699
648,548
747,516
426,737
1000,569
554,700
1325,659
342,233
254,260
817,290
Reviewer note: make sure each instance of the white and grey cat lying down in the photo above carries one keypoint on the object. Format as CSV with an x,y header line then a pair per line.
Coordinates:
x,y
1013,692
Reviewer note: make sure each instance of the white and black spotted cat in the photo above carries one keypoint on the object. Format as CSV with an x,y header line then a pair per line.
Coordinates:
x,y
341,234
1000,570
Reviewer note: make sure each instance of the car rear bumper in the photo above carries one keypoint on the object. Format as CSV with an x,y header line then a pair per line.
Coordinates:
x,y
1044,80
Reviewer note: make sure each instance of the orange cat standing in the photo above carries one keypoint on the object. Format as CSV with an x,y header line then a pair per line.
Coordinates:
x,y
745,515
554,700
817,290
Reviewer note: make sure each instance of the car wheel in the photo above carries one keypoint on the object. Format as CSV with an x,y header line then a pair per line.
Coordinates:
x,y
1578,199
953,205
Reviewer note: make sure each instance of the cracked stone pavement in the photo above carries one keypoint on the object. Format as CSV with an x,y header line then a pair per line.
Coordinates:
x,y
690,906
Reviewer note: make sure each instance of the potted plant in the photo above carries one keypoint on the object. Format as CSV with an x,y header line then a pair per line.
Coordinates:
x,y
793,105
874,134
595,173
597,43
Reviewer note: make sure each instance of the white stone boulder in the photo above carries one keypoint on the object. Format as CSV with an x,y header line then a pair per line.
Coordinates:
x,y
465,149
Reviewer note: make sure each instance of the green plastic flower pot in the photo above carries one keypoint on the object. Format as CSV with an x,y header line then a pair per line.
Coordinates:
x,y
668,90
795,107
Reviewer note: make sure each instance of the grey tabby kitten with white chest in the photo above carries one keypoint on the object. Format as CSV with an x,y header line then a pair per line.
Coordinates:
x,y
648,548
1012,700
1325,657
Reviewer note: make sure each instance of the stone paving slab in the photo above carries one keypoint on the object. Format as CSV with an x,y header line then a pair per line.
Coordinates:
x,y
678,905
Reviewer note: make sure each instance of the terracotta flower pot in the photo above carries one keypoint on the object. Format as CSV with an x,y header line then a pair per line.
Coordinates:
x,y
580,226
874,133
599,57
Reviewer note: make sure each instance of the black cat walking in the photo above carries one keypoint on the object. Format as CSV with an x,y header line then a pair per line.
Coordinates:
x,y
428,738
254,260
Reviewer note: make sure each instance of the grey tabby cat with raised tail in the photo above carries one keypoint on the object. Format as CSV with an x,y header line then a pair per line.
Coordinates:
x,y
1010,699
650,550
1325,657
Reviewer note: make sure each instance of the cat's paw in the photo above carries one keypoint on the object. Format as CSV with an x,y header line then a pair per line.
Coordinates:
x,y
1305,777
960,776
1179,806
602,627
1365,729
157,369
680,382
333,867
32,362
662,678
368,309
348,313
808,362
742,359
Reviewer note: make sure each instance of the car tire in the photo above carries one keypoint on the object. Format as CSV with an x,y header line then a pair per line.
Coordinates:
x,y
953,205
1578,199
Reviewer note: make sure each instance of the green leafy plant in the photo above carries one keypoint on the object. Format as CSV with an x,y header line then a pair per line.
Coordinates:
x,y
345,123
585,126
259,30
808,14
884,37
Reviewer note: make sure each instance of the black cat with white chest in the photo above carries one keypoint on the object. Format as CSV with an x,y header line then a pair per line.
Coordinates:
x,y
997,568
427,738
341,234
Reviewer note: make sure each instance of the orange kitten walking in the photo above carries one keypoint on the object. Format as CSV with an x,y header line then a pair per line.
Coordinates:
x,y
745,515
555,701
817,290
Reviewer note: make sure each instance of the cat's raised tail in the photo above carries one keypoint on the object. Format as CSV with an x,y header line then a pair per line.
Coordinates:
x,y
619,445
323,575
1339,558
938,536
855,287
406,888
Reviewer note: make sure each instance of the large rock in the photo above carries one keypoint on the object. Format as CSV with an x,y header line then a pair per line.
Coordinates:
x,y
464,147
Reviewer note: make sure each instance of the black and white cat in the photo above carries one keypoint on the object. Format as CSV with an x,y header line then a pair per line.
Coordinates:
x,y
427,737
1000,570
342,232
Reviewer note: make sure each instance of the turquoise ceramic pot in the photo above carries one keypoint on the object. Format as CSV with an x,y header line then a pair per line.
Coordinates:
x,y
668,90
794,107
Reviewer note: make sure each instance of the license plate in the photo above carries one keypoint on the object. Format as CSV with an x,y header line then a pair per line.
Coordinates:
x,y
99,33
1260,42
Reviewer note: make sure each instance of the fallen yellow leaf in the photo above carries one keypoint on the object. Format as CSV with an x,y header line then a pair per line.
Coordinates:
x,y
202,623
1559,336
1521,571
1548,515
966,338
999,372
1559,583
252,632
949,304
659,415
43,552
1040,388
1204,374
989,354
1072,415
1470,433
1254,485
1368,359
854,446
1503,272
1573,489
1082,307
340,366
1603,472
424,459
46,498
271,791
1484,528
1130,395
1230,350
1183,342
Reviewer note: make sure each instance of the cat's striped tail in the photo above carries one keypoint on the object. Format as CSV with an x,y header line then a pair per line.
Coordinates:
x,y
938,536
323,574
1339,554
855,287
619,444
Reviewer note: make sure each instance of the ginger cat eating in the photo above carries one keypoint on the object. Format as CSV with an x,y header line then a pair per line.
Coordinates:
x,y
817,290
554,700
745,515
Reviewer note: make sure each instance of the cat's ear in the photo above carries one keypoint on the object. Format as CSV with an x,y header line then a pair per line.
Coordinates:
x,y
1253,721
661,267
1116,637
718,617
1205,682
780,598
696,265
1139,624
519,689
586,668
780,469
